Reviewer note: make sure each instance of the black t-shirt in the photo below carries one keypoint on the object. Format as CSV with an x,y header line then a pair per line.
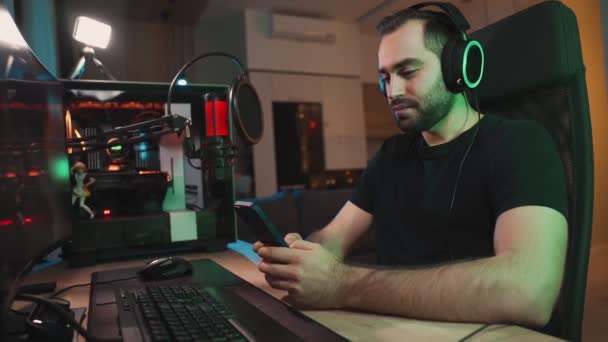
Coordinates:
x,y
408,187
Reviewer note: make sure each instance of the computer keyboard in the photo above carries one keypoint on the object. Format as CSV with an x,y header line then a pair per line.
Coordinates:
x,y
185,313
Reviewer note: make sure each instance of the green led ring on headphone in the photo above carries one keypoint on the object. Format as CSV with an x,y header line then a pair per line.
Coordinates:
x,y
468,83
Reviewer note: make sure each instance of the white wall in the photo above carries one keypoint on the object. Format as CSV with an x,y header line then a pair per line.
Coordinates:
x,y
266,53
343,124
369,57
288,70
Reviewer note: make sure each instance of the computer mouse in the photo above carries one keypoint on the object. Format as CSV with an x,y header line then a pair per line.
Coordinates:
x,y
166,268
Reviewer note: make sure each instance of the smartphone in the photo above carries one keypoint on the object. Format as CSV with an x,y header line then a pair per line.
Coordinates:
x,y
263,229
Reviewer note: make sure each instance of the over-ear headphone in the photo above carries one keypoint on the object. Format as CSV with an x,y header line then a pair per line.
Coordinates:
x,y
462,59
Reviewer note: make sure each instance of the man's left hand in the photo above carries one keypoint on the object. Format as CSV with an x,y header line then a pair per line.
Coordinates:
x,y
311,274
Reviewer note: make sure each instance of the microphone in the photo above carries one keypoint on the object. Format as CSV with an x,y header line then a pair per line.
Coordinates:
x,y
217,150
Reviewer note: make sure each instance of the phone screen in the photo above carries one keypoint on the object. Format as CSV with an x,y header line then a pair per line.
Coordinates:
x,y
263,229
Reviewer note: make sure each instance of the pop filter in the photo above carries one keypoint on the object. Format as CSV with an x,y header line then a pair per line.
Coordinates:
x,y
247,110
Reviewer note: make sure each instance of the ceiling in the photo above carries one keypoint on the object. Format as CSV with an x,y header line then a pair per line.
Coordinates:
x,y
364,12
367,13
347,10
180,11
342,10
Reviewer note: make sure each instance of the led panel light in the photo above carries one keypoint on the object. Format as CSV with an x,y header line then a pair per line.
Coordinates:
x,y
92,32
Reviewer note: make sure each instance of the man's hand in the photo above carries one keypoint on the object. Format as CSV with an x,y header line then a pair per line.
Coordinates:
x,y
289,238
311,274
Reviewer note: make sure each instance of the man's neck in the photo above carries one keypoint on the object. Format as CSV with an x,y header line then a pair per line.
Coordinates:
x,y
460,118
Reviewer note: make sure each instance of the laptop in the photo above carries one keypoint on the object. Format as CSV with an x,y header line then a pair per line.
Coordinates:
x,y
211,305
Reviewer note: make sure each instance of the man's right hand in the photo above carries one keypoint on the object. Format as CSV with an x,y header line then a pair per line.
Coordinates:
x,y
289,238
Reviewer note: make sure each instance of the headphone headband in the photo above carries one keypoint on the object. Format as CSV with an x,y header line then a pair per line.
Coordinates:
x,y
458,19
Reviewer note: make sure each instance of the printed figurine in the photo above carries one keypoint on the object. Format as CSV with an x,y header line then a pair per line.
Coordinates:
x,y
80,189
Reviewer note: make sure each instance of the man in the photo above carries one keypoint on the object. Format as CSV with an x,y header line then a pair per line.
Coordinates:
x,y
469,208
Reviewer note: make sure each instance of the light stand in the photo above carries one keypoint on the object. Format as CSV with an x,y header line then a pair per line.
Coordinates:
x,y
88,55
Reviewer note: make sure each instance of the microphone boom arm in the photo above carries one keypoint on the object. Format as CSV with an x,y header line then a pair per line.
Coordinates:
x,y
170,124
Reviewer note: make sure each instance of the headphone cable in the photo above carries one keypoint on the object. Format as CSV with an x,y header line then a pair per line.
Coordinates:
x,y
465,154
61,291
462,164
480,329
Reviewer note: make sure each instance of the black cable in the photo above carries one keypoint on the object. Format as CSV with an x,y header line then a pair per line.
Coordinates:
x,y
17,312
191,205
57,293
465,154
65,315
106,303
192,165
478,330
462,163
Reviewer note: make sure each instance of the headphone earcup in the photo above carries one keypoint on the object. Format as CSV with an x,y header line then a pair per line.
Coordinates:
x,y
462,64
451,65
382,85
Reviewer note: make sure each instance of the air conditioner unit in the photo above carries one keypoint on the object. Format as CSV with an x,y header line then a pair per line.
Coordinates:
x,y
303,29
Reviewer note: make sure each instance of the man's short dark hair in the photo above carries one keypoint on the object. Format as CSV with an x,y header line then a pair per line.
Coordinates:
x,y
438,27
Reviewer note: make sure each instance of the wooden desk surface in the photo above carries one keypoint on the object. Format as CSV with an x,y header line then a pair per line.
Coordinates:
x,y
354,326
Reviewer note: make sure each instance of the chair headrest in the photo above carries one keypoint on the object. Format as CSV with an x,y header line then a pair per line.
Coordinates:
x,y
536,47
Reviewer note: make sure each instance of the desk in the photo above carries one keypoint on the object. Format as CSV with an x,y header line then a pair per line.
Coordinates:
x,y
353,325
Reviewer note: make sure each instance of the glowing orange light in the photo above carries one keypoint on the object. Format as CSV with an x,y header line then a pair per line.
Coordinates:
x,y
117,105
107,212
34,173
114,167
68,127
79,136
148,172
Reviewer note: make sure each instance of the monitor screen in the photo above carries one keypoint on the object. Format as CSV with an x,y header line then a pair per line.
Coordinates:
x,y
34,170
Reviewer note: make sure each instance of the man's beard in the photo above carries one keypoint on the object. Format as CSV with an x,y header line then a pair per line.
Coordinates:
x,y
433,107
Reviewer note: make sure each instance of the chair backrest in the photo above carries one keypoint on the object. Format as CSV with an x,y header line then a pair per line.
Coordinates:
x,y
534,70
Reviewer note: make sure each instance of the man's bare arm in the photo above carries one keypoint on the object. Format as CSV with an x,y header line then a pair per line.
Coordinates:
x,y
344,230
519,284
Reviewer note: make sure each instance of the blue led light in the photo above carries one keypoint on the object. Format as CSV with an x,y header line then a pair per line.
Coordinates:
x,y
143,148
